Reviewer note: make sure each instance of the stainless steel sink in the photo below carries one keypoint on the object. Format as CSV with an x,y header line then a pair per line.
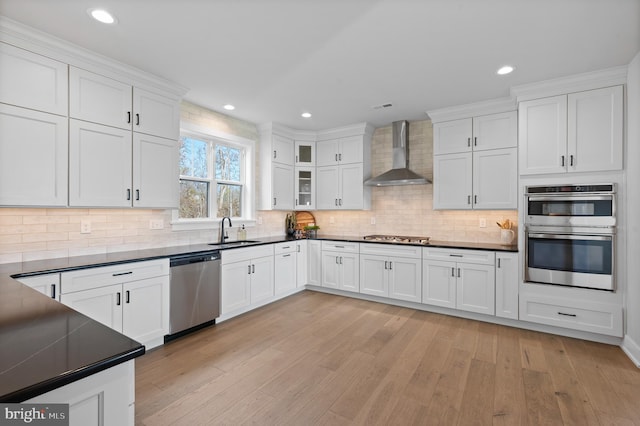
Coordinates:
x,y
234,243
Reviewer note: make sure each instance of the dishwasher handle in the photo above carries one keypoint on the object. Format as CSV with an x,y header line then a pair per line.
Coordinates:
x,y
188,259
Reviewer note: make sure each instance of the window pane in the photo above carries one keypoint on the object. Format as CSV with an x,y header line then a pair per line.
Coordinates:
x,y
229,200
227,163
193,157
194,199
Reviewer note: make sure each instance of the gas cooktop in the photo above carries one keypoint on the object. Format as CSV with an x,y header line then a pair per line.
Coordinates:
x,y
397,239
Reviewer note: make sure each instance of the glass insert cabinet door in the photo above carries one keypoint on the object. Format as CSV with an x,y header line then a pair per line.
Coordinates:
x,y
305,187
305,153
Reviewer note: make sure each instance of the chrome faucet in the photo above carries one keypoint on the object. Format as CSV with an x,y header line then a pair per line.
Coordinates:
x,y
223,236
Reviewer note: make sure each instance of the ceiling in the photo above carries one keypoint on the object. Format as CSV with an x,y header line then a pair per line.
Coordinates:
x,y
274,59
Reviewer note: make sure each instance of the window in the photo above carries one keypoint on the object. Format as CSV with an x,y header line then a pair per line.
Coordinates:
x,y
214,172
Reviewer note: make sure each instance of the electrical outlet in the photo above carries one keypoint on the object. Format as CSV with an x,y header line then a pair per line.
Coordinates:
x,y
259,220
332,219
483,222
373,220
156,224
85,227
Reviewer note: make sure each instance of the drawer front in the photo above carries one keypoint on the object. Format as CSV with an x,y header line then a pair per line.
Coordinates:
x,y
286,247
588,316
413,252
85,279
482,257
247,253
344,247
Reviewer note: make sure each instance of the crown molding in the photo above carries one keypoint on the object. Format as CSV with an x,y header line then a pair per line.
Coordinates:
x,y
34,40
575,83
364,128
457,112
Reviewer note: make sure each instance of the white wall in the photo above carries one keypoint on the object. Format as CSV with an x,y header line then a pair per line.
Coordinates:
x,y
632,338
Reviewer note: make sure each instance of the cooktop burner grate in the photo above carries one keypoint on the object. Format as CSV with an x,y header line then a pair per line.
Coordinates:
x,y
397,239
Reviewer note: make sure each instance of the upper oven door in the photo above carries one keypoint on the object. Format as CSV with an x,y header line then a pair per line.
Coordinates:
x,y
571,210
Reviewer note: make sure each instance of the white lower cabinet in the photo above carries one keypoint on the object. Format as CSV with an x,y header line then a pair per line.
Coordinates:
x,y
507,285
302,262
391,271
106,398
247,278
123,297
460,279
341,265
48,284
314,262
284,262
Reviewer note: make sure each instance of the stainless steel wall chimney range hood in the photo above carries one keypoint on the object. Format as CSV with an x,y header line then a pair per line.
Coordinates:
x,y
400,173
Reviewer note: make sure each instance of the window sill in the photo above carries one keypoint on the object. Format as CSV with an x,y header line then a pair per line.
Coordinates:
x,y
207,224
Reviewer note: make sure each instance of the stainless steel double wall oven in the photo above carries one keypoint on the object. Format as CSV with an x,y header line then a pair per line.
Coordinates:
x,y
570,234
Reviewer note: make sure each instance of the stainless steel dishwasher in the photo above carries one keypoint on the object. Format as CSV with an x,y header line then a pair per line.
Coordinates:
x,y
195,292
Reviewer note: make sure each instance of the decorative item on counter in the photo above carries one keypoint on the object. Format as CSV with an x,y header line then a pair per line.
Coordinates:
x,y
290,223
311,230
242,234
506,232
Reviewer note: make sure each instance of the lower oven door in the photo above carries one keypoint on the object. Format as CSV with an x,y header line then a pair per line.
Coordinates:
x,y
570,258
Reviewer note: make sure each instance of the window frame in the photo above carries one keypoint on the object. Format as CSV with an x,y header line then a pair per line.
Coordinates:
x,y
248,147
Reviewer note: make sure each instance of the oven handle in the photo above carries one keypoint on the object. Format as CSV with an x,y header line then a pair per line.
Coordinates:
x,y
576,197
571,237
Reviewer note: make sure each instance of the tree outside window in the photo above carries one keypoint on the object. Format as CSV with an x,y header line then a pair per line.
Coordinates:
x,y
205,165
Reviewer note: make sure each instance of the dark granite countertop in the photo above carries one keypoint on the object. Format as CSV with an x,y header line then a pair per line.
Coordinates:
x,y
45,345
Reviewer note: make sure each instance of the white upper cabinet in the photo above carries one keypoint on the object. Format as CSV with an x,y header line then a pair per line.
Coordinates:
x,y
103,100
276,169
33,157
340,151
99,165
32,81
282,148
155,114
99,99
579,132
305,152
475,162
155,167
491,131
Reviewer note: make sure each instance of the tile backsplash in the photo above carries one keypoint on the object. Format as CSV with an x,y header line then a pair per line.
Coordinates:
x,y
42,233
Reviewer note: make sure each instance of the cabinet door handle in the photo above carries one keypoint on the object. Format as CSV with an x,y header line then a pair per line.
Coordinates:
x,y
286,255
468,142
458,272
340,201
128,194
475,199
274,201
340,157
128,117
562,160
253,268
137,195
456,255
336,157
296,201
468,199
339,247
122,273
337,263
248,269
385,265
475,141
275,154
341,260
567,315
53,291
390,265
297,159
336,201
498,262
453,272
137,119
571,160
118,299
127,297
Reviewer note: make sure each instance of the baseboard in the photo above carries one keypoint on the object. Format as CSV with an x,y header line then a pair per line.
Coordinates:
x,y
632,349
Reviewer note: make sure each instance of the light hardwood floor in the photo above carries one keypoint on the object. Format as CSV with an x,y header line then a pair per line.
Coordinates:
x,y
319,359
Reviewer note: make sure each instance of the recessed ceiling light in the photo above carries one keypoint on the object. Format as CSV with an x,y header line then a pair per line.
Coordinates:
x,y
102,16
306,114
229,107
505,70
